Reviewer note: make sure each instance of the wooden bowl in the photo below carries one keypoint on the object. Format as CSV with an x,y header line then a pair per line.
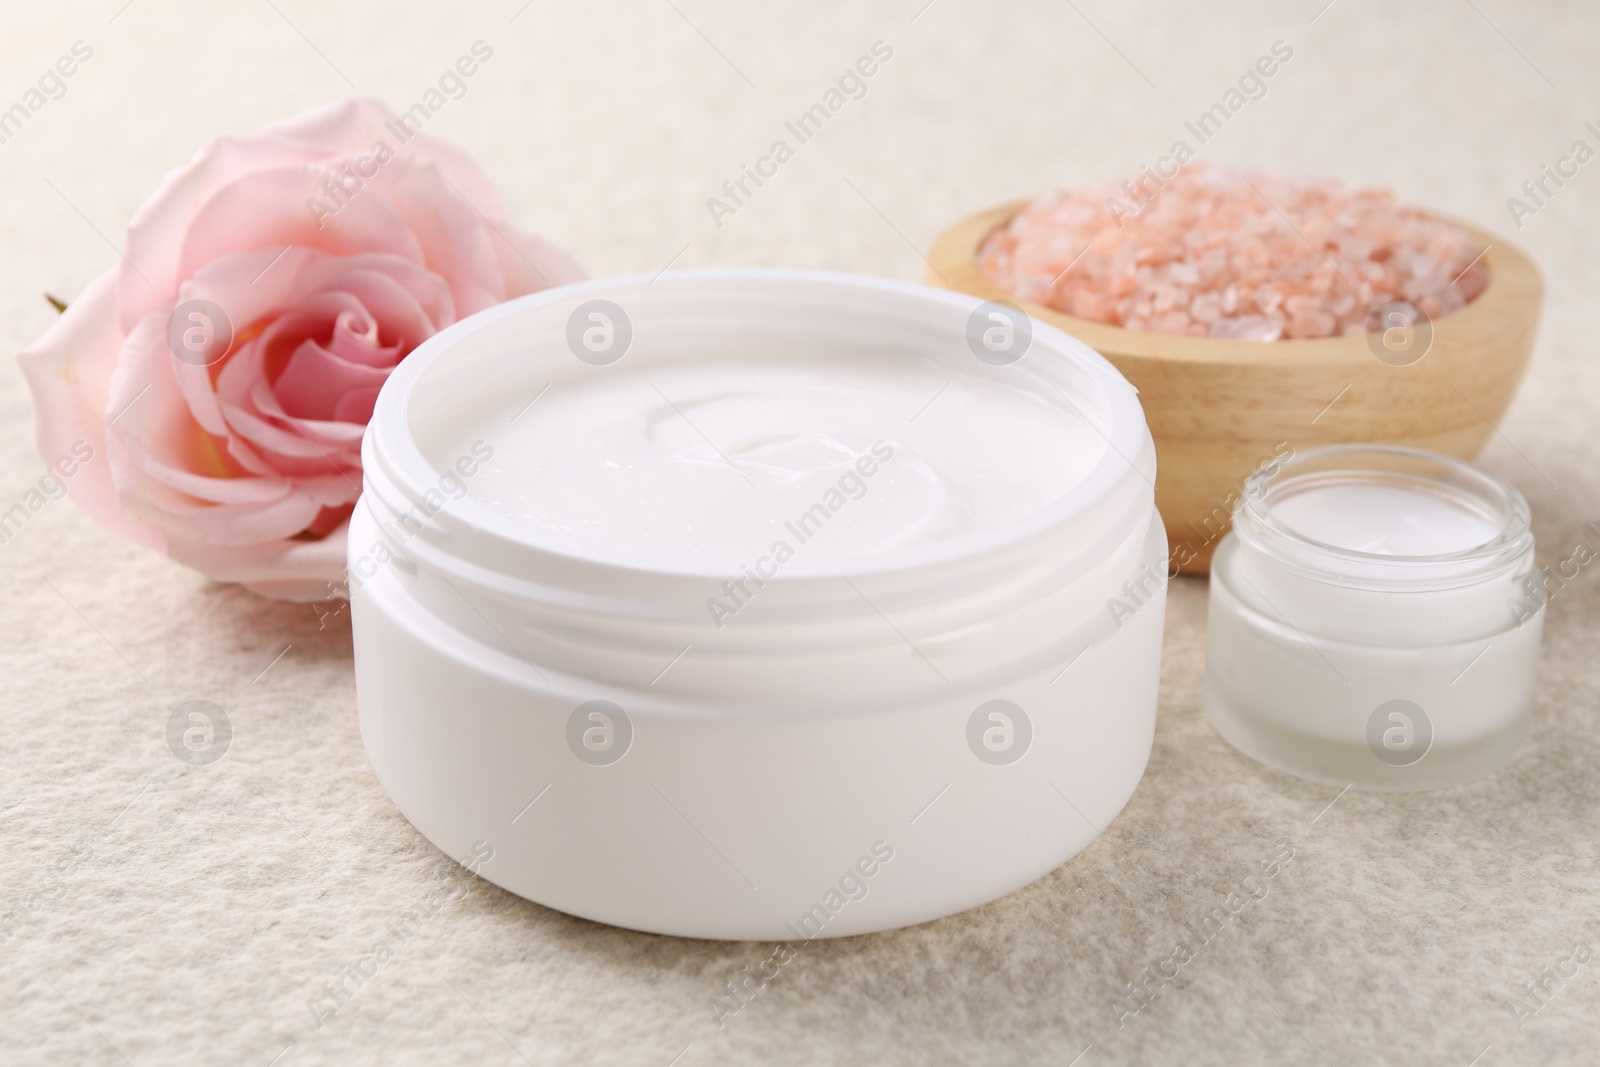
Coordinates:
x,y
1220,409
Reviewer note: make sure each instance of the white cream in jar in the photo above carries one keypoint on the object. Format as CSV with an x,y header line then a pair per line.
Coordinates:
x,y
1363,624
1396,520
723,462
779,611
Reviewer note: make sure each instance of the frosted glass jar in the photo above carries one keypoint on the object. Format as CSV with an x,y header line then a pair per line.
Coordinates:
x,y
938,698
1371,621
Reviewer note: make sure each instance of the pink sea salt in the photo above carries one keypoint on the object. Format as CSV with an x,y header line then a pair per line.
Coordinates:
x,y
1217,253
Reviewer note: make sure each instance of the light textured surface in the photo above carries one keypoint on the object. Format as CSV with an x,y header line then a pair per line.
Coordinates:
x,y
209,904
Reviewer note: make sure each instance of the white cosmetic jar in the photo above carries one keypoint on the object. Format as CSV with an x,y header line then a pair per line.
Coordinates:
x,y
1374,620
871,741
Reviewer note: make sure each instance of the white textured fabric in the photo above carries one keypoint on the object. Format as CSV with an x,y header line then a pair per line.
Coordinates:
x,y
164,913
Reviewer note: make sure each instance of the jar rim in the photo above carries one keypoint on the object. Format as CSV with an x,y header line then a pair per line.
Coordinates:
x,y
1256,522
396,464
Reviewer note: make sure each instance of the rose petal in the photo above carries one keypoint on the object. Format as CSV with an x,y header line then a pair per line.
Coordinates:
x,y
409,301
456,238
315,380
167,469
227,524
248,286
352,128
267,209
69,370
531,263
336,129
356,406
289,570
150,272
167,447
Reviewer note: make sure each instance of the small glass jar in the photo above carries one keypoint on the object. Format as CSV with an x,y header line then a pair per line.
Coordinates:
x,y
1375,619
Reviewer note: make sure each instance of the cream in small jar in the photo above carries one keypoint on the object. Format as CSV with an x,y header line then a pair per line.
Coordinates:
x,y
1363,625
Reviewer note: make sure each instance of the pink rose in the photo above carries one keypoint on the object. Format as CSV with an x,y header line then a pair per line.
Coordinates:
x,y
333,243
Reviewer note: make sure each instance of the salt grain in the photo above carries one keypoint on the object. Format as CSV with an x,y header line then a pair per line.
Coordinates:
x,y
1220,254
